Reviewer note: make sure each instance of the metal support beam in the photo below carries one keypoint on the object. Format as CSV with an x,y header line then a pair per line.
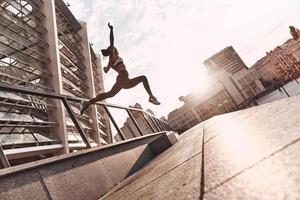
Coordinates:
x,y
76,123
4,158
54,67
90,80
153,122
135,122
168,127
114,122
163,124
149,124
159,124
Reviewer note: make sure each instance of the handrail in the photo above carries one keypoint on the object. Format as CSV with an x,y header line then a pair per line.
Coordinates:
x,y
3,158
20,89
155,124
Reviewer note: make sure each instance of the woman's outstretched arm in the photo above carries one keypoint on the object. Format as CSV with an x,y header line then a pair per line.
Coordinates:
x,y
111,36
111,47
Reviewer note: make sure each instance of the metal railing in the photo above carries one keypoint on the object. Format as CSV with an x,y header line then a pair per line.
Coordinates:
x,y
153,123
275,86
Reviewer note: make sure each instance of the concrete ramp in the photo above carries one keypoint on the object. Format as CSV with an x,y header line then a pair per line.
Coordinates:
x,y
86,174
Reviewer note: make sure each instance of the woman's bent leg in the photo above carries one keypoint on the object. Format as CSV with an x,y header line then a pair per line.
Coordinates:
x,y
135,81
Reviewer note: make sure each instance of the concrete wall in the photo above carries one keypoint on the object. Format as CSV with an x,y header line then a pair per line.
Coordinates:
x,y
82,175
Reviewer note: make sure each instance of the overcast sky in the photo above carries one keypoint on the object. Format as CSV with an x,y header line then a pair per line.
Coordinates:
x,y
168,40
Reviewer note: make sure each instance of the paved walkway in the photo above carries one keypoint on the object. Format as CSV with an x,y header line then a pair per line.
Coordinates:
x,y
249,154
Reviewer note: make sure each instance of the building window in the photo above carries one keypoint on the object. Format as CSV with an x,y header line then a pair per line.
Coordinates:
x,y
20,8
218,104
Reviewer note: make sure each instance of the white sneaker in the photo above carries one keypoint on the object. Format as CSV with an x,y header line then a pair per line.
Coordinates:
x,y
154,100
82,107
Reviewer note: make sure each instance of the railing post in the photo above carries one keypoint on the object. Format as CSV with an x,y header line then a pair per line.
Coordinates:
x,y
160,125
153,122
4,158
135,122
168,126
114,123
151,127
165,126
76,123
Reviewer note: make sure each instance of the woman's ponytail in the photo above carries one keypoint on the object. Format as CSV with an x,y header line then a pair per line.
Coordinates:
x,y
105,52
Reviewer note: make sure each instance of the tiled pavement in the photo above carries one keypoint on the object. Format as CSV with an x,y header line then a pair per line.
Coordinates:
x,y
249,154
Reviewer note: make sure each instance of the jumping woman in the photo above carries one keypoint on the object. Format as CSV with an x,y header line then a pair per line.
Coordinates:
x,y
122,82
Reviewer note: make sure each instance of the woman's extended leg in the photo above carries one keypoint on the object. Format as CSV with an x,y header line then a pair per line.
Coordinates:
x,y
114,90
122,79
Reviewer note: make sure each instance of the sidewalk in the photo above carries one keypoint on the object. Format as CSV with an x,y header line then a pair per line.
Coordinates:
x,y
249,154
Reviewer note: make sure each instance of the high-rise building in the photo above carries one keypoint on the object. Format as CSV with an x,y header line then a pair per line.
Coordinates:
x,y
231,84
44,48
280,63
183,118
226,59
228,68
